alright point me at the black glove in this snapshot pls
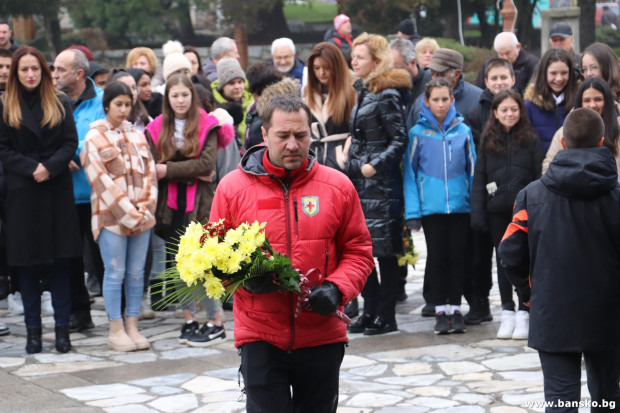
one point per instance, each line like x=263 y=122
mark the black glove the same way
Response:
x=414 y=224
x=261 y=285
x=325 y=298
x=479 y=222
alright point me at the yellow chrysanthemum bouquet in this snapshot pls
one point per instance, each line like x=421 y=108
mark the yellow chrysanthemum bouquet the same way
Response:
x=215 y=259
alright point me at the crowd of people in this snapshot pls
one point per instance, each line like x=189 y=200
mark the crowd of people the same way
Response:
x=102 y=168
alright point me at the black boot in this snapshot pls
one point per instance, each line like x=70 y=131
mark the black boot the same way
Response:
x=80 y=321
x=360 y=324
x=33 y=340
x=63 y=342
x=479 y=311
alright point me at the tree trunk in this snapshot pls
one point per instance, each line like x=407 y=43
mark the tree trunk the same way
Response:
x=487 y=34
x=586 y=23
x=241 y=37
x=524 y=29
x=271 y=24
x=185 y=22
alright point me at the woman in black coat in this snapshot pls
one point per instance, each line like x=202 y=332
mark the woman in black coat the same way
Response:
x=378 y=141
x=37 y=140
x=510 y=156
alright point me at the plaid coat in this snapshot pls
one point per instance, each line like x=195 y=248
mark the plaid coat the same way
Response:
x=121 y=171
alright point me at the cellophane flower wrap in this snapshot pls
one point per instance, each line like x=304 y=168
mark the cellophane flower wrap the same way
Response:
x=215 y=259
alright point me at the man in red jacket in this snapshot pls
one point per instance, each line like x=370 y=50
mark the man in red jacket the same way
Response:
x=314 y=216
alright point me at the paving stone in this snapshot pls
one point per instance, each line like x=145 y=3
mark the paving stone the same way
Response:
x=473 y=376
x=419 y=380
x=434 y=402
x=490 y=387
x=186 y=352
x=516 y=362
x=133 y=408
x=11 y=361
x=369 y=371
x=135 y=357
x=205 y=384
x=471 y=398
x=507 y=409
x=407 y=369
x=373 y=400
x=169 y=380
x=105 y=391
x=175 y=404
x=461 y=409
x=165 y=390
x=461 y=367
x=442 y=352
x=122 y=400
x=350 y=361
x=430 y=391
x=56 y=368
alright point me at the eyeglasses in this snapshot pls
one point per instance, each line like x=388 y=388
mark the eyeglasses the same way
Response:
x=593 y=68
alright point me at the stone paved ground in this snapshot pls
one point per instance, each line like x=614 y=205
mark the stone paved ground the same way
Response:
x=408 y=371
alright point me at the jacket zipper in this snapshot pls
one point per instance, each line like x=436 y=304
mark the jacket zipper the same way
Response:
x=326 y=263
x=296 y=218
x=445 y=172
x=291 y=299
x=509 y=149
x=422 y=188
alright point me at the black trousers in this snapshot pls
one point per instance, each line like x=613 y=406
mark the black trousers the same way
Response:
x=446 y=242
x=55 y=275
x=80 y=300
x=562 y=379
x=380 y=297
x=303 y=380
x=498 y=222
x=479 y=262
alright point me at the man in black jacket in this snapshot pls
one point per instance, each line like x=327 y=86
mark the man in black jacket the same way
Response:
x=565 y=233
x=508 y=47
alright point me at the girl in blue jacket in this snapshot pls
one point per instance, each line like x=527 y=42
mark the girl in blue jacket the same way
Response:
x=438 y=173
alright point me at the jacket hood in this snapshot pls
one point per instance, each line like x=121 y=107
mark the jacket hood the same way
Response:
x=452 y=117
x=486 y=97
x=392 y=78
x=104 y=125
x=331 y=33
x=582 y=173
x=252 y=160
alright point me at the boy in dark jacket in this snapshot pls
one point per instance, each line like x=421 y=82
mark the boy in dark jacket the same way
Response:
x=565 y=234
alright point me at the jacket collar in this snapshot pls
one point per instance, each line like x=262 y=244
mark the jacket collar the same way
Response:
x=88 y=93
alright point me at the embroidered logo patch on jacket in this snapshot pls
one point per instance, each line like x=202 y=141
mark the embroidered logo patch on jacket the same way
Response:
x=310 y=205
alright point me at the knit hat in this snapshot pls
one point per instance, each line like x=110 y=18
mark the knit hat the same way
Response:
x=174 y=62
x=444 y=59
x=407 y=27
x=340 y=20
x=228 y=69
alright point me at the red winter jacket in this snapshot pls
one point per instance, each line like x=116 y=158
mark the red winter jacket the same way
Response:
x=316 y=220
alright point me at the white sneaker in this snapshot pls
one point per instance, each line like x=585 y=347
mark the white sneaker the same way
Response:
x=507 y=327
x=146 y=312
x=46 y=304
x=522 y=326
x=16 y=307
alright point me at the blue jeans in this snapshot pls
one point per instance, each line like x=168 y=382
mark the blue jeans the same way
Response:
x=123 y=259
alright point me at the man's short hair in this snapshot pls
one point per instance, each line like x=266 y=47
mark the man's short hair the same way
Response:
x=221 y=46
x=6 y=53
x=505 y=38
x=3 y=21
x=583 y=128
x=405 y=48
x=498 y=62
x=79 y=61
x=282 y=41
x=285 y=103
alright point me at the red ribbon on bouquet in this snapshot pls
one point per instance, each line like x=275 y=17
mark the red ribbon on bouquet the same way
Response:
x=311 y=278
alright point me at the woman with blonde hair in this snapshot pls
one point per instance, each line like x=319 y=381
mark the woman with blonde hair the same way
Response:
x=144 y=58
x=37 y=141
x=331 y=97
x=379 y=139
x=424 y=50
